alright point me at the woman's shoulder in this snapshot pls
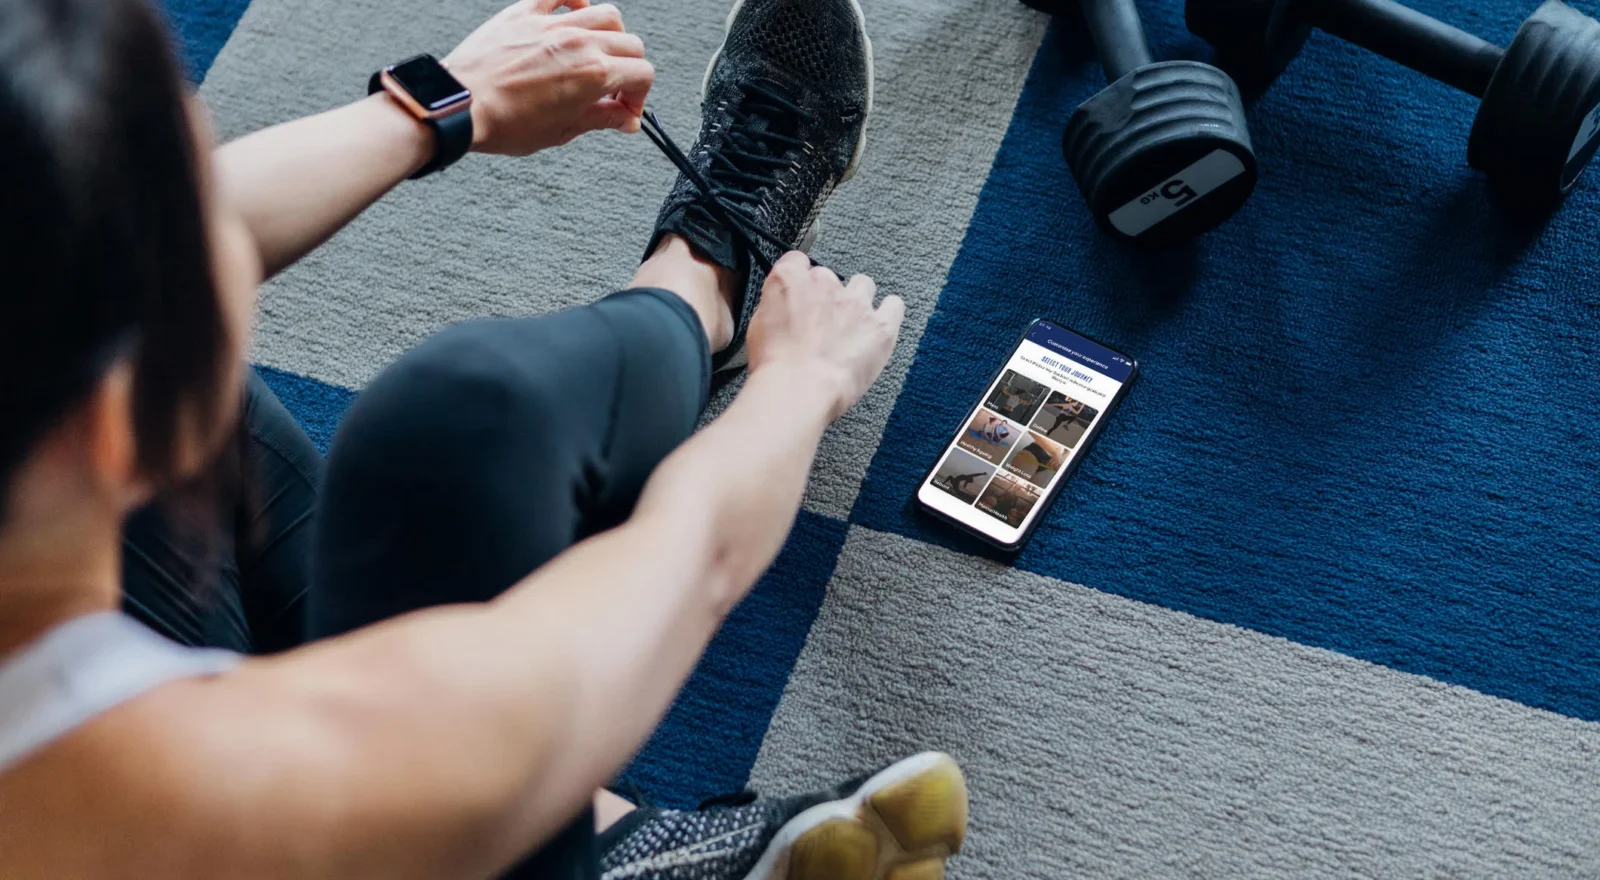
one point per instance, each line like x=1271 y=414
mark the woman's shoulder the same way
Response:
x=96 y=718
x=82 y=668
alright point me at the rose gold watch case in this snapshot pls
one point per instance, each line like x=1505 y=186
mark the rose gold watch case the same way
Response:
x=398 y=92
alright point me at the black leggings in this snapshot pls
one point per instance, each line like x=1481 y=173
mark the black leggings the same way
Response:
x=244 y=584
x=467 y=464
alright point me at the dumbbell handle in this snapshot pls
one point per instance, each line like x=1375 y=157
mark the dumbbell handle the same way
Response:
x=1401 y=34
x=1118 y=36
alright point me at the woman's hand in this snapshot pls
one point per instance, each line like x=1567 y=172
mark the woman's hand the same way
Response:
x=540 y=79
x=808 y=318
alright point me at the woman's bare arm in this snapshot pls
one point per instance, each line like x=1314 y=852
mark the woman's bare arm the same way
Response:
x=447 y=742
x=538 y=79
x=298 y=183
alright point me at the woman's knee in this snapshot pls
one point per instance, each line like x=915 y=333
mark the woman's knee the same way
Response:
x=458 y=393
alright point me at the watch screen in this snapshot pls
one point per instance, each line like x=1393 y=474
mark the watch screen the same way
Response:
x=428 y=82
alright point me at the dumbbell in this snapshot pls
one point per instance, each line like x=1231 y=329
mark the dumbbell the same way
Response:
x=1539 y=121
x=1162 y=154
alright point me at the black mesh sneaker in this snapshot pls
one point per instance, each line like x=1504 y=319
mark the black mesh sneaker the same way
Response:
x=783 y=121
x=900 y=823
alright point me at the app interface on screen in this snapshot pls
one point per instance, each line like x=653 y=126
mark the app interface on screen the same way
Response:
x=1025 y=431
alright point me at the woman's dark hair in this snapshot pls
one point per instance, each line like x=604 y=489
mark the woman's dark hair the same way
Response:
x=102 y=239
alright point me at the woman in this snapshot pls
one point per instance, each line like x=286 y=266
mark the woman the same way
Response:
x=450 y=741
x=995 y=430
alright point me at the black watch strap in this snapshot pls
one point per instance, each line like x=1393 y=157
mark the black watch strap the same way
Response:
x=452 y=134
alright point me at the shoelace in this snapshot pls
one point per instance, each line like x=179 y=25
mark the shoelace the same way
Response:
x=740 y=159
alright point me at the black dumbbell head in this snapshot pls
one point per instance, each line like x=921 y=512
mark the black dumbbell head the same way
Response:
x=1053 y=7
x=1539 y=122
x=1163 y=153
x=1255 y=39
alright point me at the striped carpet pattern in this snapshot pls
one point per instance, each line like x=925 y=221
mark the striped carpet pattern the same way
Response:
x=1322 y=602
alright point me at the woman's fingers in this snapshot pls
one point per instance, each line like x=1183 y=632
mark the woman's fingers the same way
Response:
x=603 y=17
x=863 y=287
x=621 y=45
x=629 y=81
x=891 y=313
x=545 y=7
x=609 y=113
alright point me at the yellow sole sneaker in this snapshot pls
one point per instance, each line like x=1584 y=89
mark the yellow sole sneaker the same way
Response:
x=900 y=824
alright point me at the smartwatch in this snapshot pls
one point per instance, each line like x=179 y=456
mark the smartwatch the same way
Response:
x=427 y=90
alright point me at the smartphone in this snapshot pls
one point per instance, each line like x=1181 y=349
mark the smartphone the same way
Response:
x=1035 y=421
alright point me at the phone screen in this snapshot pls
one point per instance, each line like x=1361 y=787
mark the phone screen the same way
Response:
x=1026 y=434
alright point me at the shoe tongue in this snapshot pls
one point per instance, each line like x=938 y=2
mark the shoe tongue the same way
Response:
x=761 y=121
x=764 y=111
x=747 y=136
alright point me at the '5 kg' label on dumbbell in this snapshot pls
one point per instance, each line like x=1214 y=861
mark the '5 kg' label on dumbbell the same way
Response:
x=1176 y=193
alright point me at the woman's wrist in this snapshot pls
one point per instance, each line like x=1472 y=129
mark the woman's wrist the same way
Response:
x=480 y=106
x=409 y=141
x=811 y=388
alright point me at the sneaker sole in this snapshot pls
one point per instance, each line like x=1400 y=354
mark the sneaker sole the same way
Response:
x=900 y=825
x=872 y=78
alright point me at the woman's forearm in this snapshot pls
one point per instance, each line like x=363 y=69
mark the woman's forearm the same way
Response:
x=642 y=601
x=506 y=717
x=300 y=182
x=750 y=467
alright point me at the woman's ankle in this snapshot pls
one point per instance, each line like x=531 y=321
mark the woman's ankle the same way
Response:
x=708 y=288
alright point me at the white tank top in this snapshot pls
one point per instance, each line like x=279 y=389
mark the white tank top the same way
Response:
x=83 y=668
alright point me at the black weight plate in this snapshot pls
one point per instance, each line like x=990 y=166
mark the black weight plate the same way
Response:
x=1052 y=7
x=1539 y=123
x=1162 y=154
x=1255 y=39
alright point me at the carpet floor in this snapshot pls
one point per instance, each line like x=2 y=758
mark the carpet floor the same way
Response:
x=1323 y=601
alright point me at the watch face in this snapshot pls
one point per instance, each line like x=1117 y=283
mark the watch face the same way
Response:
x=428 y=82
